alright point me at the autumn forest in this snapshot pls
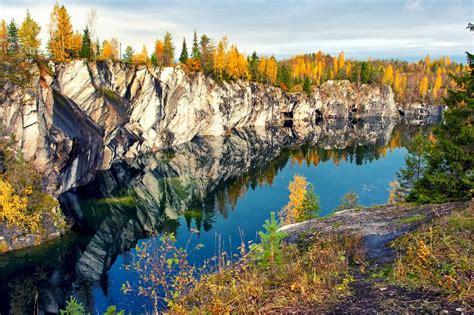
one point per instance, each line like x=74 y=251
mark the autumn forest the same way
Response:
x=425 y=81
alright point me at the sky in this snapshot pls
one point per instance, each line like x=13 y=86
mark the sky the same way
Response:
x=386 y=29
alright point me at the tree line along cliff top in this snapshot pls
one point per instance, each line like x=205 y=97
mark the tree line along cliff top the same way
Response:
x=425 y=81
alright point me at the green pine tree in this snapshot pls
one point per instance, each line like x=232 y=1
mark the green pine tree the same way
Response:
x=128 y=55
x=73 y=307
x=307 y=86
x=112 y=310
x=415 y=164
x=449 y=173
x=284 y=76
x=98 y=51
x=13 y=41
x=350 y=200
x=195 y=54
x=184 y=52
x=311 y=207
x=86 y=48
x=365 y=74
x=271 y=242
x=154 y=60
x=253 y=65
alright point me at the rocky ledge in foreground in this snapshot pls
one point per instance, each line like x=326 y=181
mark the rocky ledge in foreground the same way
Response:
x=378 y=226
x=15 y=238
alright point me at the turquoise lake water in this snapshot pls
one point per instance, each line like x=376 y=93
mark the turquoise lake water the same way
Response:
x=217 y=186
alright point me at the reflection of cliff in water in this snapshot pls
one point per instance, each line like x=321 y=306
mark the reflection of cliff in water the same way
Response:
x=198 y=180
x=147 y=195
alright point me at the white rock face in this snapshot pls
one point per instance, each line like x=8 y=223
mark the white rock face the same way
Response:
x=85 y=115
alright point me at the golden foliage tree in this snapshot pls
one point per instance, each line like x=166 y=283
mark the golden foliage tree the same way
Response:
x=219 y=57
x=319 y=71
x=397 y=84
x=395 y=193
x=427 y=64
x=272 y=70
x=236 y=66
x=423 y=88
x=335 y=66
x=75 y=45
x=106 y=50
x=193 y=65
x=3 y=37
x=341 y=60
x=141 y=58
x=437 y=86
x=14 y=208
x=297 y=190
x=268 y=69
x=110 y=50
x=330 y=74
x=348 y=69
x=388 y=75
x=60 y=31
x=159 y=52
x=262 y=68
x=168 y=50
x=299 y=67
x=229 y=63
x=28 y=34
x=303 y=203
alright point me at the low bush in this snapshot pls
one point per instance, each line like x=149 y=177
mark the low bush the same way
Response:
x=439 y=257
x=23 y=204
x=302 y=279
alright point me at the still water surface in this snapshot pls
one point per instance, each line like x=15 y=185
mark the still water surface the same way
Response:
x=215 y=185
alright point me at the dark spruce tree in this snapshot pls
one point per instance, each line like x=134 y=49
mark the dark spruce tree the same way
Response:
x=153 y=59
x=128 y=55
x=253 y=65
x=415 y=162
x=448 y=173
x=365 y=74
x=184 y=52
x=12 y=37
x=307 y=86
x=98 y=50
x=284 y=77
x=195 y=53
x=86 y=47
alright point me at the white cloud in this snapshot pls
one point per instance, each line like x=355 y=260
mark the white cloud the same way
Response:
x=414 y=5
x=361 y=28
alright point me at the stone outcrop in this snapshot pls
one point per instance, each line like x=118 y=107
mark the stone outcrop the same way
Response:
x=78 y=117
x=15 y=238
x=376 y=225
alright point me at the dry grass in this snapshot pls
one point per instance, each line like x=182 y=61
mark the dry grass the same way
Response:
x=439 y=257
x=305 y=278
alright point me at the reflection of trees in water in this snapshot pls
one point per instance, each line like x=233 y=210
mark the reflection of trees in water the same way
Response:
x=201 y=180
x=225 y=196
x=25 y=291
x=358 y=153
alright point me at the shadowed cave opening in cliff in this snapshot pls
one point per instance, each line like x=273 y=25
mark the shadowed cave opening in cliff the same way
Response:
x=287 y=119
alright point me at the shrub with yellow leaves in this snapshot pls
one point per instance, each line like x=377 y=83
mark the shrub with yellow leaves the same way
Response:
x=23 y=204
